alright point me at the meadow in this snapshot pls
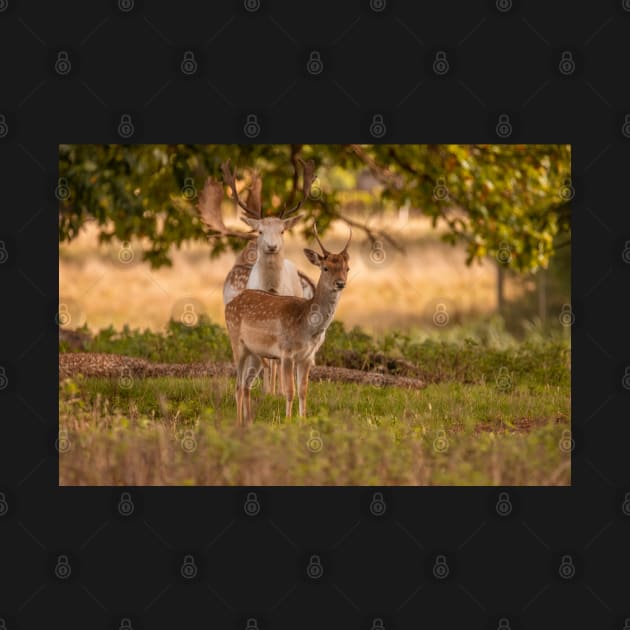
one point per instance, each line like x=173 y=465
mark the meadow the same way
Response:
x=493 y=407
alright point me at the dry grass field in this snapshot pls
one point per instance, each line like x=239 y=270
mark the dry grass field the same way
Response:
x=400 y=292
x=495 y=410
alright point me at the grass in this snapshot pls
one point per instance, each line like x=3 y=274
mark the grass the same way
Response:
x=494 y=412
x=496 y=417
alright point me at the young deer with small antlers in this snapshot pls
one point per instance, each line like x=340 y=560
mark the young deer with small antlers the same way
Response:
x=291 y=329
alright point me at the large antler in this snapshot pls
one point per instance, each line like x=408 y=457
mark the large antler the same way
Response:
x=308 y=179
x=229 y=178
x=209 y=209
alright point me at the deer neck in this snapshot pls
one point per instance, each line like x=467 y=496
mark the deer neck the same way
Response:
x=271 y=266
x=324 y=302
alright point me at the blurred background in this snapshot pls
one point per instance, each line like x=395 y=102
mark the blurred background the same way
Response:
x=446 y=237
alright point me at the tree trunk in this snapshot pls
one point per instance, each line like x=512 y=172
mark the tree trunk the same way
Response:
x=542 y=295
x=500 y=289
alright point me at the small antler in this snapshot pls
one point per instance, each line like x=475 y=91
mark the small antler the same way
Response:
x=324 y=250
x=228 y=177
x=345 y=249
x=308 y=179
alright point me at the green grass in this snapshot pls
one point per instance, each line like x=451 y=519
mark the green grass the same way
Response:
x=478 y=353
x=369 y=435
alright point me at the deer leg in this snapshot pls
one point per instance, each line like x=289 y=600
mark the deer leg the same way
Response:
x=252 y=366
x=273 y=369
x=287 y=380
x=240 y=363
x=303 y=369
x=267 y=383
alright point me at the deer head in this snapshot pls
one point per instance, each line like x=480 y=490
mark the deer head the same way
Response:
x=269 y=229
x=334 y=267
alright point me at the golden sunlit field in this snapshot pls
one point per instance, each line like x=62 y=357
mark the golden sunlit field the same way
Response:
x=401 y=292
x=495 y=411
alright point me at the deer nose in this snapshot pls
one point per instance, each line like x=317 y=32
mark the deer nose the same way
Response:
x=340 y=284
x=272 y=249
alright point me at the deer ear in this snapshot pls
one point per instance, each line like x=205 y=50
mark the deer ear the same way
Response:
x=313 y=257
x=289 y=223
x=253 y=223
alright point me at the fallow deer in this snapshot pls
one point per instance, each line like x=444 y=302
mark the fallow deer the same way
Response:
x=270 y=270
x=292 y=329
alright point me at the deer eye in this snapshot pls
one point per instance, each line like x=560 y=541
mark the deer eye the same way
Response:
x=325 y=268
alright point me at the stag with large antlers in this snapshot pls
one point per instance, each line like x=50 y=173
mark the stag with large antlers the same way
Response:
x=292 y=329
x=261 y=265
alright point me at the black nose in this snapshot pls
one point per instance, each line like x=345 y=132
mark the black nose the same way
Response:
x=272 y=249
x=340 y=284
